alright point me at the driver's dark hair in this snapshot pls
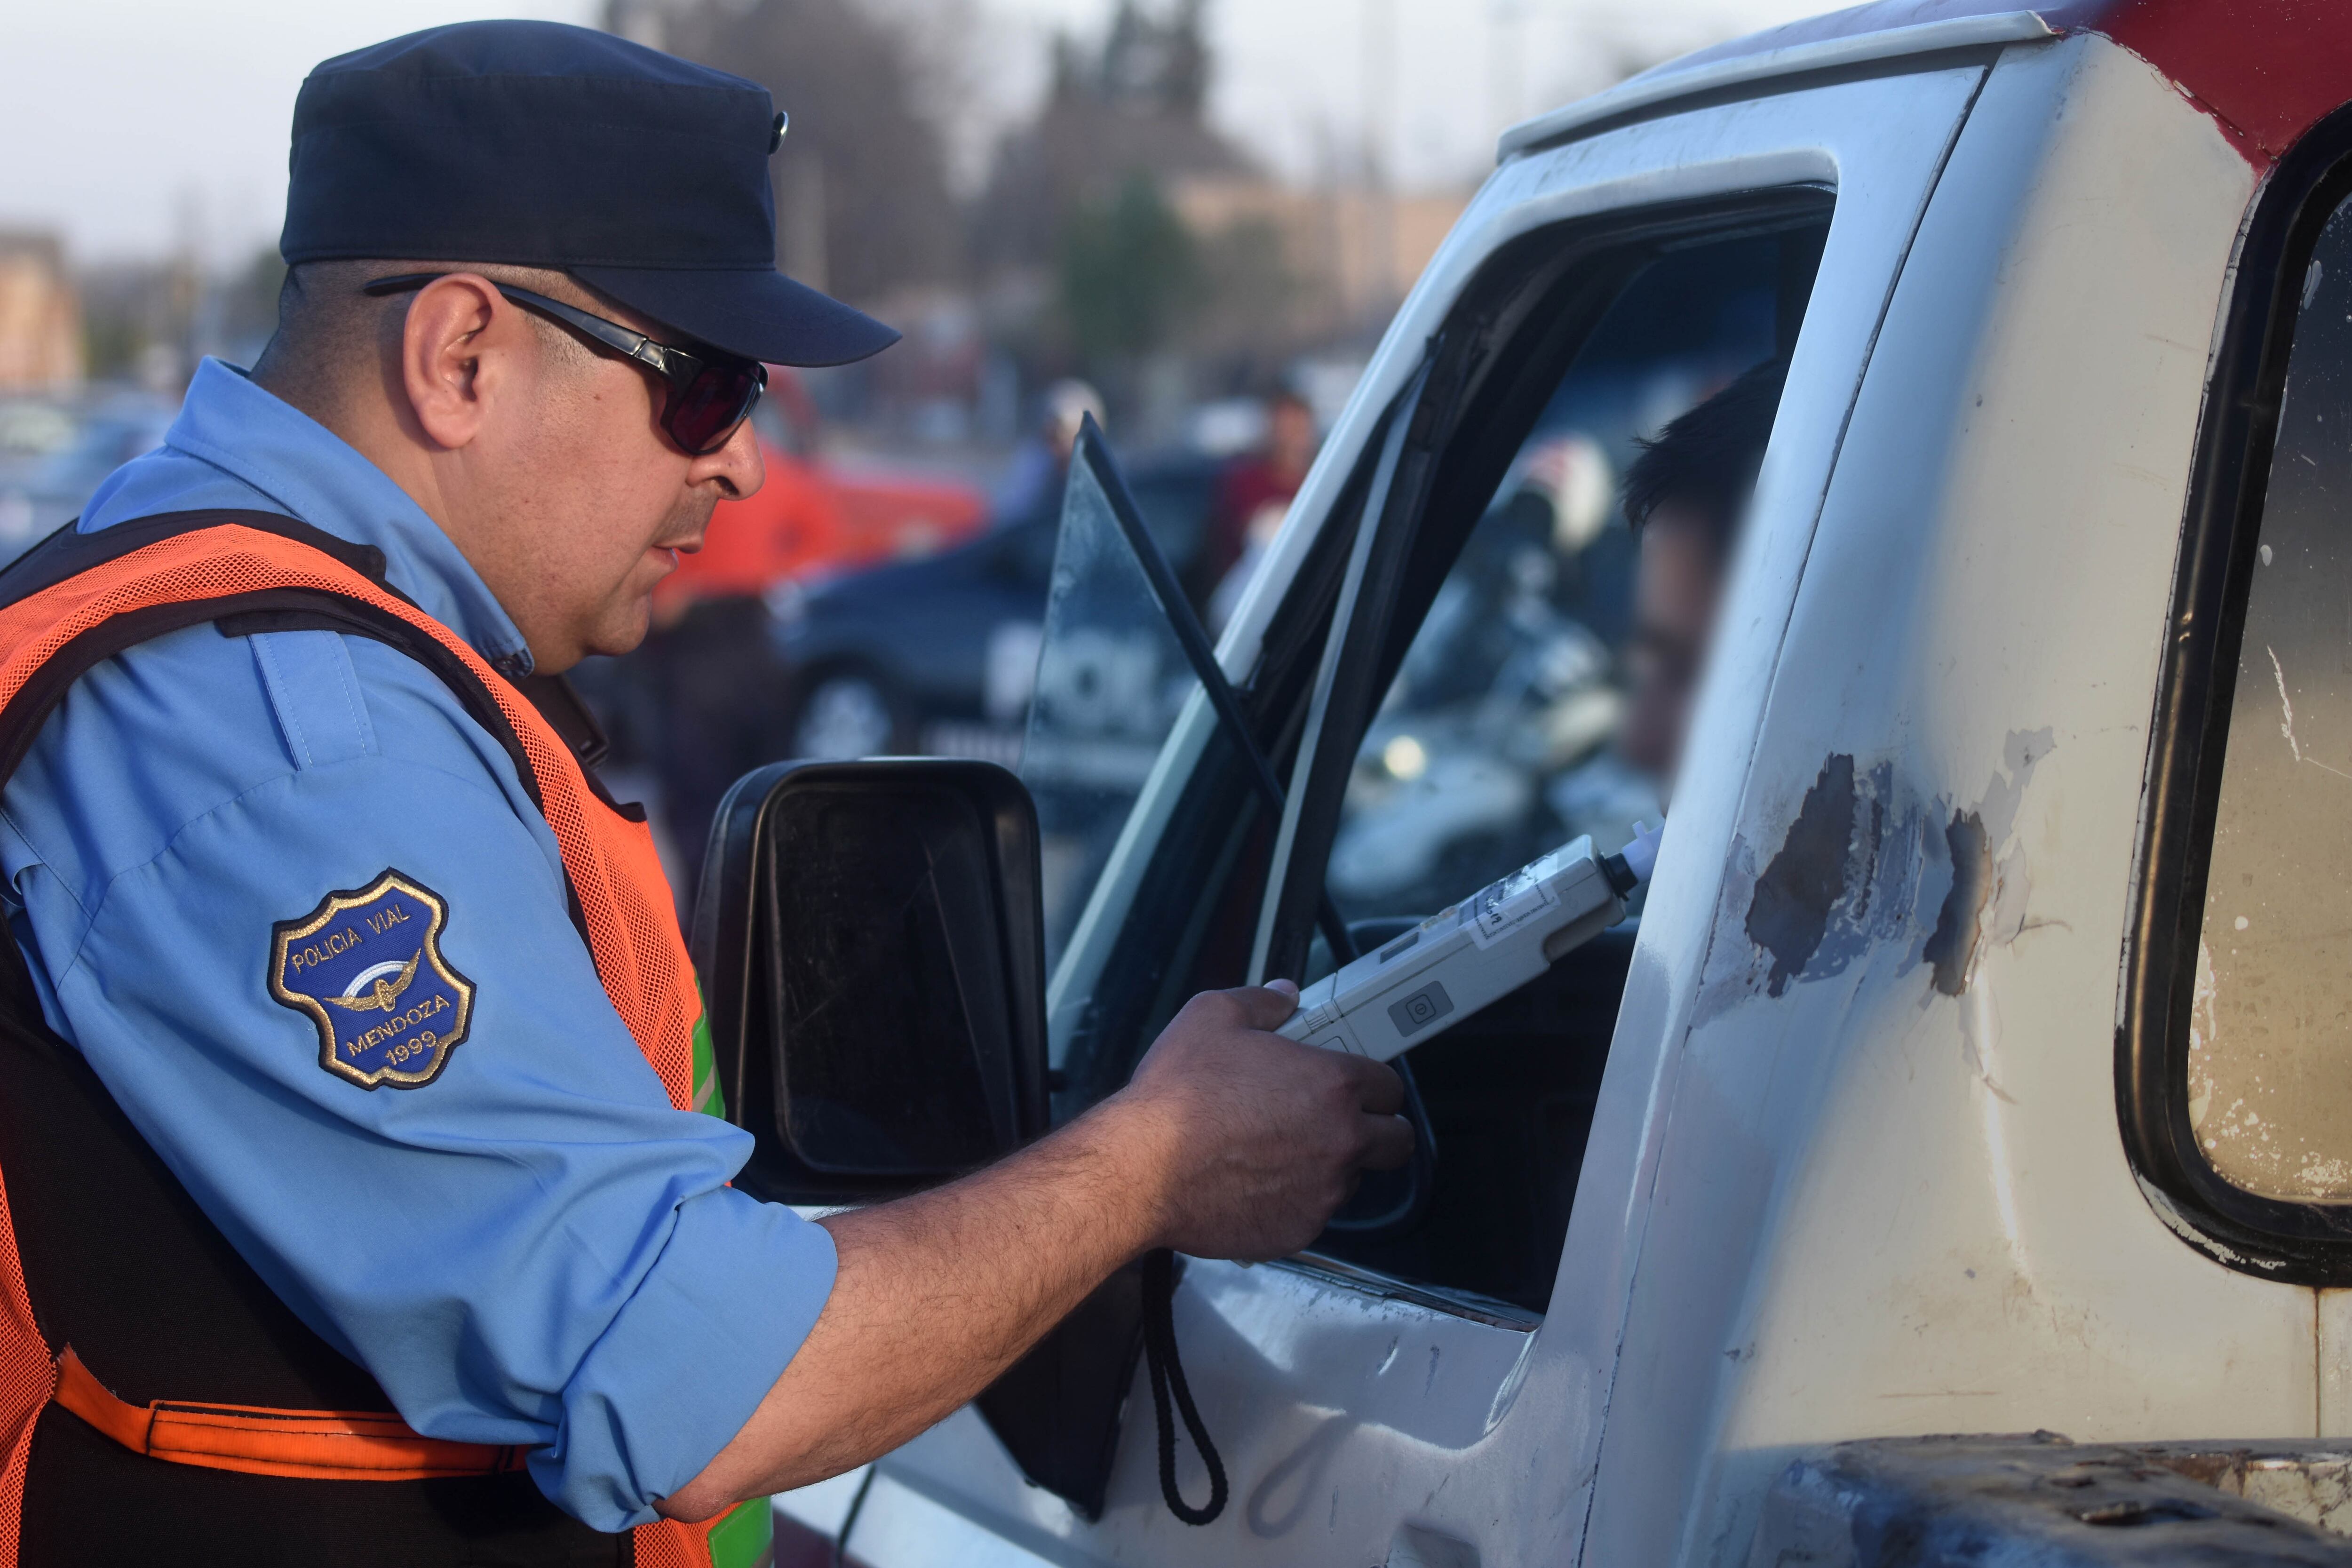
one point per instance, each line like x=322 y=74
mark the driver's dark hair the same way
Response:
x=1706 y=460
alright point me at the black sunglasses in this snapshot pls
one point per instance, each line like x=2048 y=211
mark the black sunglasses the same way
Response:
x=712 y=392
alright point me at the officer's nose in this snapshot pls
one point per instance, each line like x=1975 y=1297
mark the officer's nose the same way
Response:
x=738 y=466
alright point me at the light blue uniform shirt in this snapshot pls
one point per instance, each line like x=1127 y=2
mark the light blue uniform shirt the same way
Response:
x=533 y=1248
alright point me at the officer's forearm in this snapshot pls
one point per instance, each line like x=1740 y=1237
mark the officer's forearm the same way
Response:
x=1230 y=1141
x=938 y=1293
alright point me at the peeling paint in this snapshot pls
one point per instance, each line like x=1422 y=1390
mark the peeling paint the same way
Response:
x=2175 y=1222
x=1986 y=904
x=1790 y=911
x=1951 y=949
x=1855 y=875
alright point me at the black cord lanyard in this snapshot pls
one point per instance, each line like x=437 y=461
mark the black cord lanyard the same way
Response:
x=1167 y=1376
x=1160 y=1356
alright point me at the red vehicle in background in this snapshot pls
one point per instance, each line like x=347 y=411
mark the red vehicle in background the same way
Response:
x=706 y=698
x=815 y=518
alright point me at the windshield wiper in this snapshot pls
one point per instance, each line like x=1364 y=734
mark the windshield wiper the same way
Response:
x=1094 y=451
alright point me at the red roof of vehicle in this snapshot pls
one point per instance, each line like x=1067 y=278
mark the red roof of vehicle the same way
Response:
x=2266 y=70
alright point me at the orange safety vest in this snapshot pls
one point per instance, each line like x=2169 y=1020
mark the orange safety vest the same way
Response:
x=73 y=601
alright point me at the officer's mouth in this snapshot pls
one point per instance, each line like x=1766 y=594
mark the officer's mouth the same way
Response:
x=666 y=556
x=658 y=562
x=683 y=541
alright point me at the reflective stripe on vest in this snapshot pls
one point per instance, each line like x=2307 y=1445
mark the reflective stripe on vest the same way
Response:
x=624 y=904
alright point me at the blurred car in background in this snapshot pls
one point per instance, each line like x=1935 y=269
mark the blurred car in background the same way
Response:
x=939 y=656
x=817 y=514
x=54 y=451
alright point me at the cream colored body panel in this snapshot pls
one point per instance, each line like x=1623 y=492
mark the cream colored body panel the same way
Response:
x=1896 y=1210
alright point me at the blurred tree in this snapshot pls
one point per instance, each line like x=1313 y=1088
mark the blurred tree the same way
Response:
x=132 y=311
x=1129 y=273
x=1252 y=296
x=1136 y=107
x=248 y=298
x=112 y=330
x=862 y=198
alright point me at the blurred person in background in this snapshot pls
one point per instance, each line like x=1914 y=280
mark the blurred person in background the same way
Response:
x=1686 y=496
x=1254 y=495
x=1033 y=481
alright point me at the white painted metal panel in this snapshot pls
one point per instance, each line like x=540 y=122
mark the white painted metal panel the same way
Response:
x=2334 y=1329
x=1882 y=1208
x=1662 y=85
x=1322 y=1397
x=824 y=1507
x=902 y=1527
x=1343 y=1416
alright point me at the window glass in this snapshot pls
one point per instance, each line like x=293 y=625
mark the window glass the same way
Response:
x=2270 y=1058
x=1112 y=679
x=1500 y=736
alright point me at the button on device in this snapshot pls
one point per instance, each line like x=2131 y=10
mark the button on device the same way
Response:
x=1424 y=1007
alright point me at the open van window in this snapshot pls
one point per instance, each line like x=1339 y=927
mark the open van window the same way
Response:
x=1513 y=722
x=1501 y=645
x=1502 y=733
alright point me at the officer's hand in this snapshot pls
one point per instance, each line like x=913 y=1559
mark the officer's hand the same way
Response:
x=1260 y=1138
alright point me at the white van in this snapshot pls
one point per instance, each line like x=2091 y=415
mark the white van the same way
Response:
x=1981 y=1061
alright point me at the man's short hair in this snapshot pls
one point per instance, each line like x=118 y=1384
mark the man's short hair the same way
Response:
x=327 y=327
x=1704 y=462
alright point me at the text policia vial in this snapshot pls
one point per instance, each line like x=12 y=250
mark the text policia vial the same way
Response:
x=1474 y=952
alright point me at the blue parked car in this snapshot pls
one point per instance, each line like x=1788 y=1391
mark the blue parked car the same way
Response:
x=939 y=655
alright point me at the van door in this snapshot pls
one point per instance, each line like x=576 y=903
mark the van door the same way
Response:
x=1434 y=658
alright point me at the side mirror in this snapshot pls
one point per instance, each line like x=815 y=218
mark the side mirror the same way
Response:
x=871 y=947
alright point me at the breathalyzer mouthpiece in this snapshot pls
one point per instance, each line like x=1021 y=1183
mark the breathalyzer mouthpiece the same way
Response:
x=1629 y=867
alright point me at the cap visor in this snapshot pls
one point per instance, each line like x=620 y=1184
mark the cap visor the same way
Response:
x=762 y=315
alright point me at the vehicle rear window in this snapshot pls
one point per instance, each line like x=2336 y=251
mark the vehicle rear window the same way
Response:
x=2270 y=1056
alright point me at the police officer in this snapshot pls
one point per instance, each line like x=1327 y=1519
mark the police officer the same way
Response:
x=357 y=1205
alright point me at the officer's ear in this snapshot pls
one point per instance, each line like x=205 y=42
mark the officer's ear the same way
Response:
x=462 y=343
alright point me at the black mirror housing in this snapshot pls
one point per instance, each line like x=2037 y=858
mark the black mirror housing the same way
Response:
x=870 y=940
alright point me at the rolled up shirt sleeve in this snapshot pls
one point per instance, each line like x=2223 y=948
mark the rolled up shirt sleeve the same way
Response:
x=533 y=1248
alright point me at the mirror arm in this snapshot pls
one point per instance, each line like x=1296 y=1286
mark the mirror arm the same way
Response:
x=1193 y=638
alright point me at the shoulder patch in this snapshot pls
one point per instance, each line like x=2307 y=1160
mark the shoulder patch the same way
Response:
x=366 y=968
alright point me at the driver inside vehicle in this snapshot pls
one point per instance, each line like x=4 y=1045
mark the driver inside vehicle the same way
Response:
x=1685 y=497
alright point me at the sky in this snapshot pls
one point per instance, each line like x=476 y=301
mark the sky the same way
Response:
x=138 y=127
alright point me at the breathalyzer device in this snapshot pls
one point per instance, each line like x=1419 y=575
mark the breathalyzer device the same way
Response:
x=1476 y=952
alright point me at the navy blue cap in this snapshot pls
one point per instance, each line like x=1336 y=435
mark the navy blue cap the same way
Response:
x=545 y=145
